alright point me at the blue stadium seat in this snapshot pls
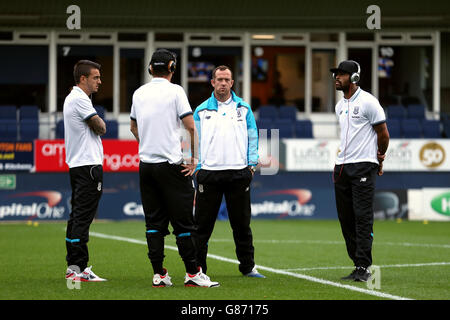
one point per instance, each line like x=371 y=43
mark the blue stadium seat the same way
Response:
x=303 y=129
x=285 y=127
x=394 y=129
x=60 y=129
x=112 y=129
x=288 y=112
x=416 y=111
x=268 y=112
x=8 y=113
x=29 y=129
x=29 y=112
x=100 y=111
x=396 y=112
x=411 y=128
x=446 y=125
x=264 y=124
x=8 y=130
x=431 y=129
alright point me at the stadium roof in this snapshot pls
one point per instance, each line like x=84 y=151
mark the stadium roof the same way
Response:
x=241 y=15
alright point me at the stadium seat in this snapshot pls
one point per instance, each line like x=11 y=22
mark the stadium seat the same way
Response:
x=396 y=112
x=446 y=125
x=100 y=111
x=112 y=129
x=303 y=129
x=29 y=129
x=394 y=129
x=288 y=112
x=268 y=112
x=60 y=129
x=8 y=113
x=8 y=130
x=431 y=129
x=416 y=111
x=285 y=127
x=29 y=112
x=264 y=124
x=411 y=128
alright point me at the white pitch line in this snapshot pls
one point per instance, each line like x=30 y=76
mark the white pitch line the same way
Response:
x=381 y=266
x=277 y=271
x=403 y=244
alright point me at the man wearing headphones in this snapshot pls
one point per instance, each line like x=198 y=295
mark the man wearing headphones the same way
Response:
x=167 y=191
x=364 y=141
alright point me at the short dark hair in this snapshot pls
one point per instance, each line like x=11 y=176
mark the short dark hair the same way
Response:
x=83 y=68
x=221 y=68
x=160 y=62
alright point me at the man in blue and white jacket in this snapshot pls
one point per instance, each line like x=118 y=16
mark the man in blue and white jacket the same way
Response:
x=228 y=149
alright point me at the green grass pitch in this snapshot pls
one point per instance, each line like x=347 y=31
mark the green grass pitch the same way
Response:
x=302 y=260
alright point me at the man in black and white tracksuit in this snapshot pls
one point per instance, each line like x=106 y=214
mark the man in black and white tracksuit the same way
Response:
x=228 y=157
x=84 y=156
x=364 y=141
x=167 y=191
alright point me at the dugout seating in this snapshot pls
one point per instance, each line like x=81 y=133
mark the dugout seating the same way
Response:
x=431 y=129
x=112 y=129
x=303 y=129
x=415 y=111
x=268 y=112
x=394 y=129
x=411 y=128
x=29 y=123
x=8 y=123
x=396 y=112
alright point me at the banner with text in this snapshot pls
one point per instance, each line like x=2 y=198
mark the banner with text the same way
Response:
x=402 y=155
x=119 y=156
x=16 y=156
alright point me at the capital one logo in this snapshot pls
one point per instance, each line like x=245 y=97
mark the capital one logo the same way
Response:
x=432 y=155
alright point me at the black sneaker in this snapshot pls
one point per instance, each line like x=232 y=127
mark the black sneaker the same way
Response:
x=362 y=274
x=351 y=276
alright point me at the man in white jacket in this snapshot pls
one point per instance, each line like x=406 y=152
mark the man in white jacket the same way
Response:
x=228 y=139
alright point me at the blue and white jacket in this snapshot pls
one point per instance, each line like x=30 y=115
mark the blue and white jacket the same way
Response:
x=228 y=136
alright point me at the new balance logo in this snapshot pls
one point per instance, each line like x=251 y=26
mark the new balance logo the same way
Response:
x=363 y=180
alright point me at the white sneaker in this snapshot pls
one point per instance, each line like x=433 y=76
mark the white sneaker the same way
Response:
x=161 y=281
x=71 y=274
x=199 y=280
x=88 y=276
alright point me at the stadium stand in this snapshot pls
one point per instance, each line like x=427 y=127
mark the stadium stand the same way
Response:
x=446 y=124
x=288 y=112
x=60 y=129
x=8 y=123
x=28 y=123
x=112 y=129
x=285 y=127
x=416 y=111
x=396 y=111
x=100 y=111
x=394 y=129
x=268 y=112
x=411 y=128
x=303 y=129
x=431 y=129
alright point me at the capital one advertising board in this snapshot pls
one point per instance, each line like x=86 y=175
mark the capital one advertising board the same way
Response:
x=119 y=156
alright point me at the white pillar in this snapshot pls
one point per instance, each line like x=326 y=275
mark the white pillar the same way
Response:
x=52 y=85
x=437 y=75
x=116 y=81
x=247 y=70
x=308 y=80
x=149 y=49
